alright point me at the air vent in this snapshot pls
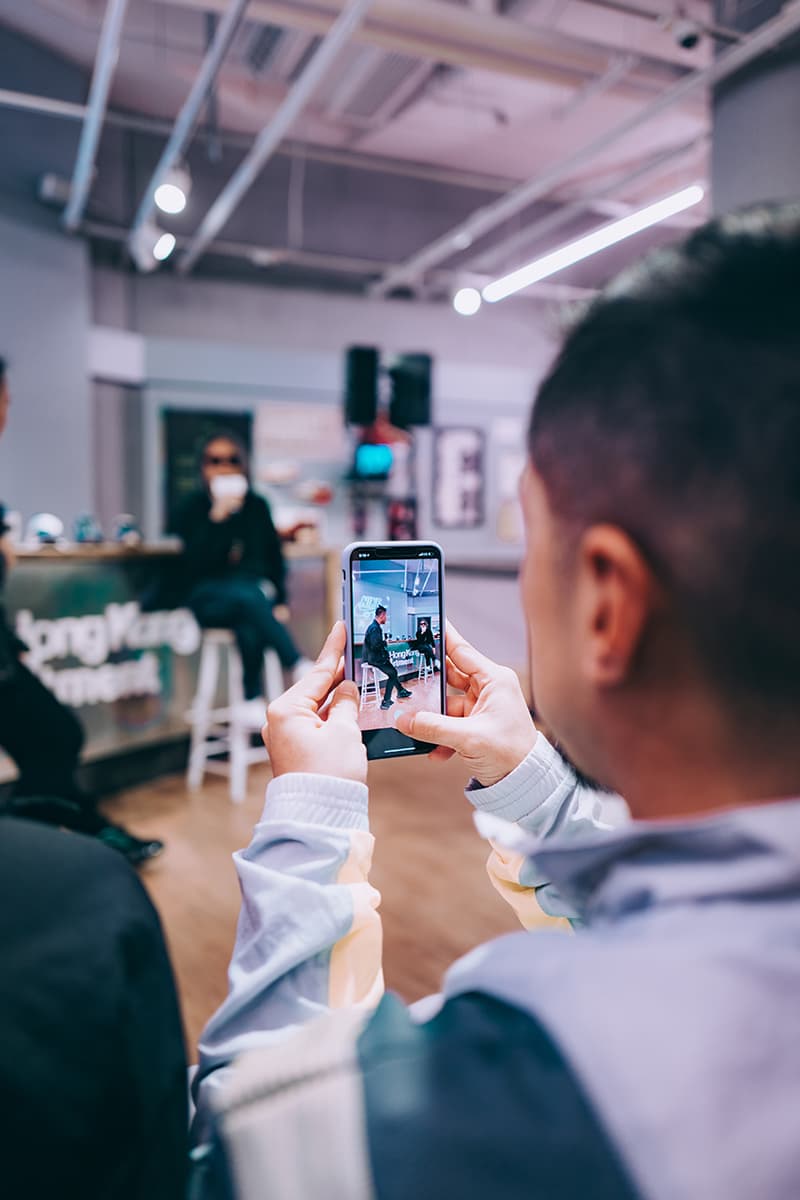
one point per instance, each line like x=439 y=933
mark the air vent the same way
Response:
x=262 y=47
x=390 y=80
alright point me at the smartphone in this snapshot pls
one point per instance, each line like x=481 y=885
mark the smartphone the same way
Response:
x=393 y=600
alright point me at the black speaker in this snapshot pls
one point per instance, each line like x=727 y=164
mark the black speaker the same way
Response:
x=361 y=385
x=411 y=390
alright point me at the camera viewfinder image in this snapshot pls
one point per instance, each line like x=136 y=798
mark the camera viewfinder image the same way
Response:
x=397 y=638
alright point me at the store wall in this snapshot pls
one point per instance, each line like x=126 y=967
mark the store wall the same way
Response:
x=217 y=345
x=45 y=456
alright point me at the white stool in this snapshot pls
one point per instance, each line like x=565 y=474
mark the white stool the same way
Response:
x=226 y=730
x=370 y=685
x=425 y=668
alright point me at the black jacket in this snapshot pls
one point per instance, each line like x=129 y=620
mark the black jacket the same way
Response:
x=423 y=639
x=375 y=652
x=10 y=645
x=245 y=546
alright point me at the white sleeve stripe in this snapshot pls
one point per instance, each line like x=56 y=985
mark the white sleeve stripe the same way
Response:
x=292 y=1118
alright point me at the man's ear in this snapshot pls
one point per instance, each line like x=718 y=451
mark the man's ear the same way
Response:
x=617 y=594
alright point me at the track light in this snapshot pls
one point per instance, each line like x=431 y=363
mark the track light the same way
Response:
x=592 y=243
x=150 y=246
x=164 y=247
x=171 y=195
x=467 y=301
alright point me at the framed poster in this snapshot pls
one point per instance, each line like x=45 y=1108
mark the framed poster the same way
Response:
x=459 y=463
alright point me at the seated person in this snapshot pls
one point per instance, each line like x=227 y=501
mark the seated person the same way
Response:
x=425 y=642
x=92 y=1063
x=231 y=547
x=376 y=654
x=655 y=1054
x=44 y=737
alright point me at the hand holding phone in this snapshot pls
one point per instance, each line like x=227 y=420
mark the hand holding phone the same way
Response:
x=393 y=596
x=312 y=728
x=488 y=723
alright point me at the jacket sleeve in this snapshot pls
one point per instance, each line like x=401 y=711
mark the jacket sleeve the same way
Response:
x=373 y=644
x=542 y=796
x=309 y=938
x=274 y=562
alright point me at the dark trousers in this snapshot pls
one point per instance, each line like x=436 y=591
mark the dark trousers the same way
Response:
x=44 y=738
x=429 y=652
x=241 y=606
x=393 y=680
x=92 y=1064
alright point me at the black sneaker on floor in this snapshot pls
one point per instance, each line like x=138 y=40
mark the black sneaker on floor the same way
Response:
x=387 y=703
x=403 y=694
x=136 y=850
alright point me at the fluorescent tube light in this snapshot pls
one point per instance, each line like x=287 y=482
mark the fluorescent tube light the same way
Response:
x=592 y=243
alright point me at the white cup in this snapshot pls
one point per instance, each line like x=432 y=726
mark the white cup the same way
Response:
x=229 y=487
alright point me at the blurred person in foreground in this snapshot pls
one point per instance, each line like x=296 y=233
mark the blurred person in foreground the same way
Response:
x=231 y=550
x=92 y=1062
x=42 y=736
x=655 y=1054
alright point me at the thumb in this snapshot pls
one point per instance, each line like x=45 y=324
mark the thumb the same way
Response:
x=432 y=727
x=344 y=704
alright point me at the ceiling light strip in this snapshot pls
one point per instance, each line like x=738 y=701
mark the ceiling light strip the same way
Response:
x=592 y=243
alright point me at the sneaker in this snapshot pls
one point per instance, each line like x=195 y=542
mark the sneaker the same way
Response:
x=387 y=703
x=136 y=850
x=301 y=668
x=403 y=694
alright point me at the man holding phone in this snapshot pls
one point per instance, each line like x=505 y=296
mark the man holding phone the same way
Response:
x=656 y=1054
x=376 y=655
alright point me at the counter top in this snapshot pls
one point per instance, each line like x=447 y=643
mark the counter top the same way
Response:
x=96 y=551
x=114 y=552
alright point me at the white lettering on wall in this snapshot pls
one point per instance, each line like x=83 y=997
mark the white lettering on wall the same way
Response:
x=91 y=639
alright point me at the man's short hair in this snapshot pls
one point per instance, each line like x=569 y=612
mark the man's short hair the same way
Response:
x=673 y=412
x=380 y=609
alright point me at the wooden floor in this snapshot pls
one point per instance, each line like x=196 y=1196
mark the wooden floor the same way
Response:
x=429 y=866
x=425 y=696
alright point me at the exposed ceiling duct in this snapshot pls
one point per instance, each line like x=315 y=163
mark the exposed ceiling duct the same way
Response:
x=272 y=134
x=769 y=35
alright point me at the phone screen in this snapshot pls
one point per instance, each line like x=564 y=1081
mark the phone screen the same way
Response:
x=396 y=621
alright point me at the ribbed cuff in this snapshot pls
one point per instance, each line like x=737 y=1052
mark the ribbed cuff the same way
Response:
x=317 y=800
x=527 y=787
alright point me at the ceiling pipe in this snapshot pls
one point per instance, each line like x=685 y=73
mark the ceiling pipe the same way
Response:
x=47 y=107
x=273 y=133
x=104 y=67
x=44 y=106
x=461 y=36
x=278 y=256
x=764 y=39
x=496 y=257
x=189 y=113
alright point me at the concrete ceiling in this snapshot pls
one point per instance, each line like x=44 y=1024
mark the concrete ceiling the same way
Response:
x=433 y=110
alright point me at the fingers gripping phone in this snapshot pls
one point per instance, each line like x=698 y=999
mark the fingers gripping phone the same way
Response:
x=393 y=599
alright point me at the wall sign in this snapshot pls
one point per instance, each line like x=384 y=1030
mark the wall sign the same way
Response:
x=459 y=456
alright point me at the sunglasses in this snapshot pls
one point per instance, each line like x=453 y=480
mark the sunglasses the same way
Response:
x=222 y=460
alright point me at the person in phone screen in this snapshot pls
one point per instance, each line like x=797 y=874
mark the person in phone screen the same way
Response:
x=425 y=642
x=375 y=654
